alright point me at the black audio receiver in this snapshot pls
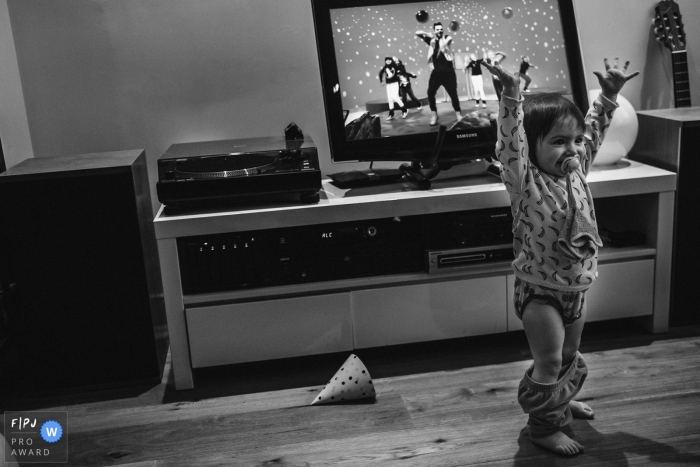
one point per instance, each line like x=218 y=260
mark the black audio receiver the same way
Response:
x=410 y=244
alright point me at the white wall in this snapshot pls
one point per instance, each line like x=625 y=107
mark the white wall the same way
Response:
x=103 y=75
x=14 y=127
x=610 y=28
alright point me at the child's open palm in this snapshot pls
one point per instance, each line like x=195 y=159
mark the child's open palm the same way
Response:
x=614 y=79
x=508 y=79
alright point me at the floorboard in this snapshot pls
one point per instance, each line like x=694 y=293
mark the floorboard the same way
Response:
x=438 y=404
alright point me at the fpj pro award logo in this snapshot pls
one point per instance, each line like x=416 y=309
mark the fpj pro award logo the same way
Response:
x=36 y=437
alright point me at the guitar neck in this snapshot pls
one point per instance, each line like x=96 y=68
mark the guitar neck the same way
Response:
x=681 y=82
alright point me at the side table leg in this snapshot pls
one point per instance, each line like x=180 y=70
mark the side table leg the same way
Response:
x=662 y=232
x=175 y=311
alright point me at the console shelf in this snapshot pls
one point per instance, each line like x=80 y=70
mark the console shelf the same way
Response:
x=606 y=255
x=342 y=315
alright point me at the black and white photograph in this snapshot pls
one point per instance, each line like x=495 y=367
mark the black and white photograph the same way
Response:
x=430 y=233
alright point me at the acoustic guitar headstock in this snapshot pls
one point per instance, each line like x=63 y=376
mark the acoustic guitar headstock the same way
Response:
x=668 y=25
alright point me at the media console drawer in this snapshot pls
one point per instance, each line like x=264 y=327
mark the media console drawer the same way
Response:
x=623 y=290
x=432 y=311
x=269 y=329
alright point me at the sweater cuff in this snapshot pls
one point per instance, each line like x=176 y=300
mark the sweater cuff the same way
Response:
x=607 y=103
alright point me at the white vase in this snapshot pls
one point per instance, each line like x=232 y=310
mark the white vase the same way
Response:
x=622 y=132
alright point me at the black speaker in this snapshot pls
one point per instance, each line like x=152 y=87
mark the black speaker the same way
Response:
x=670 y=139
x=82 y=289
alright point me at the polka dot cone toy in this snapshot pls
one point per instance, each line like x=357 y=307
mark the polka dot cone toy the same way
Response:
x=351 y=382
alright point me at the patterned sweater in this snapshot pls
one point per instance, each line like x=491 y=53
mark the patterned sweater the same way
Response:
x=539 y=200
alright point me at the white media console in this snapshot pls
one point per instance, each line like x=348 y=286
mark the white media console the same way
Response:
x=331 y=316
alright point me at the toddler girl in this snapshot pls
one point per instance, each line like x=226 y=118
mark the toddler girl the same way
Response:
x=546 y=147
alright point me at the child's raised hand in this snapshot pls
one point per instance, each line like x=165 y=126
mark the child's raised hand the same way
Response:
x=614 y=79
x=509 y=80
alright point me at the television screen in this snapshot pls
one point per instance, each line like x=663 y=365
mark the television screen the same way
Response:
x=394 y=71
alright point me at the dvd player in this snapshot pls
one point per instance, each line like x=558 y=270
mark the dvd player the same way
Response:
x=450 y=260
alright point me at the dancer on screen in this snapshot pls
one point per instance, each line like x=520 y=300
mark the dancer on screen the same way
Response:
x=390 y=74
x=442 y=71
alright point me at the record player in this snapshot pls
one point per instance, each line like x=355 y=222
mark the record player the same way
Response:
x=249 y=170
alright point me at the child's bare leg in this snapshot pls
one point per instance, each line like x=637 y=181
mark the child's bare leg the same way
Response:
x=546 y=335
x=572 y=340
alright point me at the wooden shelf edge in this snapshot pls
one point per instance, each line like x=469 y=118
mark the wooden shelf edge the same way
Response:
x=610 y=254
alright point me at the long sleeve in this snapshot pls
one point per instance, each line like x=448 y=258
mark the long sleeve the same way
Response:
x=540 y=202
x=511 y=148
x=597 y=121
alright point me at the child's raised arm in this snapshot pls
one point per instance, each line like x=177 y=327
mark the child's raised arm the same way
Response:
x=511 y=134
x=614 y=79
x=601 y=112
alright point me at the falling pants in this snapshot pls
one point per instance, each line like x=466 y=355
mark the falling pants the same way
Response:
x=548 y=404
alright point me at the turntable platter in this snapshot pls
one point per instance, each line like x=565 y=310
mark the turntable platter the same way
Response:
x=224 y=165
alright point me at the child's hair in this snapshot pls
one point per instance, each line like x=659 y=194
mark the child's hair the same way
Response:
x=541 y=113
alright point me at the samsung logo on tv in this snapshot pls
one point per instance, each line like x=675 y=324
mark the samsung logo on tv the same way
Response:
x=467 y=135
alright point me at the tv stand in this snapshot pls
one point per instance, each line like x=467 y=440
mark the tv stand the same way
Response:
x=221 y=328
x=420 y=173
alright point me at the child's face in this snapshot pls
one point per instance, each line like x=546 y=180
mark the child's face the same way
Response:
x=564 y=140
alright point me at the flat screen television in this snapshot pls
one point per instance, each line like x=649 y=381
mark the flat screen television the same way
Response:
x=356 y=38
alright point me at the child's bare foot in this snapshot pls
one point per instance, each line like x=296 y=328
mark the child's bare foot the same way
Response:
x=581 y=410
x=559 y=443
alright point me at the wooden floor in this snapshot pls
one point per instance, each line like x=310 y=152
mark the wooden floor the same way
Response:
x=438 y=404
